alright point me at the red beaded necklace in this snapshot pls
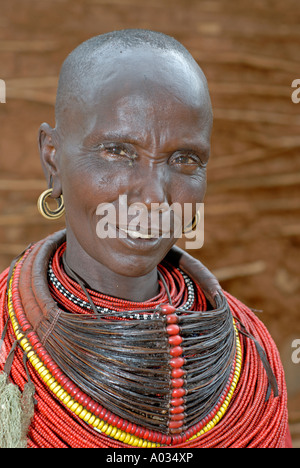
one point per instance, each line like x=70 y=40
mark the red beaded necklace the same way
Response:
x=56 y=424
x=174 y=281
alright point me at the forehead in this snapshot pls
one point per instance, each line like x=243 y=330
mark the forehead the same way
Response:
x=142 y=69
x=126 y=86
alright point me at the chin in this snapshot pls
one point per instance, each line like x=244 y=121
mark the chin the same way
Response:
x=132 y=265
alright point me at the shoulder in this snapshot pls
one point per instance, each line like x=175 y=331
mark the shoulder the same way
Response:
x=254 y=325
x=247 y=317
x=258 y=342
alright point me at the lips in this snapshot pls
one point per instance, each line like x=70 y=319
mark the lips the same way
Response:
x=141 y=234
x=137 y=240
x=135 y=221
x=137 y=234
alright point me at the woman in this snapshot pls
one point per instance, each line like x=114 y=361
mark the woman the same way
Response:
x=127 y=340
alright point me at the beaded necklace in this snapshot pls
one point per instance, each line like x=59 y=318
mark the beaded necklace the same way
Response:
x=68 y=293
x=175 y=325
x=161 y=350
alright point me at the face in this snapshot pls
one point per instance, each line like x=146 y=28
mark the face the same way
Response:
x=145 y=134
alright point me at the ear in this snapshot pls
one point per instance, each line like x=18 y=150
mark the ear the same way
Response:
x=49 y=160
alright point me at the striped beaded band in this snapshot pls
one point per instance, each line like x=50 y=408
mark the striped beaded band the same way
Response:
x=105 y=310
x=92 y=413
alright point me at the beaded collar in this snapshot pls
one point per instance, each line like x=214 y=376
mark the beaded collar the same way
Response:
x=83 y=304
x=162 y=381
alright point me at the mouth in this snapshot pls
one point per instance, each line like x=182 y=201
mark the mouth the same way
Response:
x=138 y=234
x=138 y=240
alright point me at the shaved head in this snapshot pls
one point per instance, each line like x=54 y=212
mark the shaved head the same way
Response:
x=134 y=118
x=89 y=64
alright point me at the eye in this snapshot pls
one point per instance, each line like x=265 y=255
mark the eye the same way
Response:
x=117 y=150
x=186 y=159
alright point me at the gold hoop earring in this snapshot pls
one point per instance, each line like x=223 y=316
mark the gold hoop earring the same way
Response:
x=192 y=225
x=44 y=209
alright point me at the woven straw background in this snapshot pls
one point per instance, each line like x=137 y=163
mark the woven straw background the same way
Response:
x=250 y=54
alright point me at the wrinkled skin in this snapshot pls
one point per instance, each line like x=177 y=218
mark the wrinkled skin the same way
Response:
x=142 y=129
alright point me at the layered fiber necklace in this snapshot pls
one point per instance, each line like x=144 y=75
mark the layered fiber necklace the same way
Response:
x=115 y=373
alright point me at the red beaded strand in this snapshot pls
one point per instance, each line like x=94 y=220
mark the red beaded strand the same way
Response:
x=178 y=391
x=174 y=281
x=176 y=420
x=77 y=394
x=248 y=422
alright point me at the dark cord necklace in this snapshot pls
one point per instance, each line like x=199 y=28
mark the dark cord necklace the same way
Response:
x=125 y=364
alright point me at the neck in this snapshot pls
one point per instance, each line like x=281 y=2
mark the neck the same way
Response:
x=100 y=278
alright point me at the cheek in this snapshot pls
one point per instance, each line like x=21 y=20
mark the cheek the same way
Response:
x=85 y=186
x=187 y=194
x=189 y=189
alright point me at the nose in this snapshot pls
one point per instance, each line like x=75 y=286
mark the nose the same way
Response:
x=150 y=188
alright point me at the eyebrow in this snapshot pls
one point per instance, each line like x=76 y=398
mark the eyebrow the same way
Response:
x=111 y=137
x=116 y=137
